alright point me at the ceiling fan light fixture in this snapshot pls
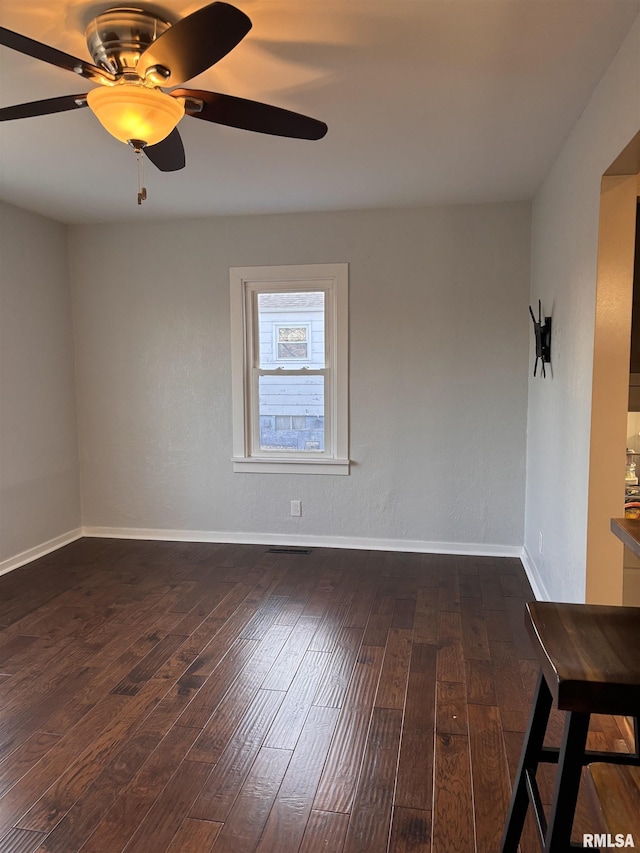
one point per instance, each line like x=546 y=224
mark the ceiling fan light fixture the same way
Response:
x=132 y=112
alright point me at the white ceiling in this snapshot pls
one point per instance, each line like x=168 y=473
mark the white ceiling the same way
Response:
x=427 y=102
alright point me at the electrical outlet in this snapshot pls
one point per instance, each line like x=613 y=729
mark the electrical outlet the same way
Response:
x=540 y=542
x=296 y=508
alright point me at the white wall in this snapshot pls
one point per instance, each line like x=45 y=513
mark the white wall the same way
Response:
x=39 y=478
x=564 y=268
x=439 y=351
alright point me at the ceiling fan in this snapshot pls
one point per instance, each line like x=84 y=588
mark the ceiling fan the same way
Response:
x=139 y=55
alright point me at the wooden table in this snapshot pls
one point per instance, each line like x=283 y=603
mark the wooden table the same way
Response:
x=628 y=531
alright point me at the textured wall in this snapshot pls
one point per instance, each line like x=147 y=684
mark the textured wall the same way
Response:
x=564 y=272
x=39 y=479
x=439 y=350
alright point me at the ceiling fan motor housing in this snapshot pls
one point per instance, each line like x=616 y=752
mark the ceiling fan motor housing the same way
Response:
x=117 y=37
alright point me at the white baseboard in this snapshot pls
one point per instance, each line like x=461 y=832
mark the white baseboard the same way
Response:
x=357 y=543
x=537 y=584
x=235 y=538
x=39 y=550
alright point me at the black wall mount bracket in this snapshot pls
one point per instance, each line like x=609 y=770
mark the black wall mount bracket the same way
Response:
x=542 y=332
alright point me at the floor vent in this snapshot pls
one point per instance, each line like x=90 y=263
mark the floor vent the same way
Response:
x=288 y=550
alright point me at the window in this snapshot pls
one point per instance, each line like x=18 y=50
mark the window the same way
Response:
x=291 y=342
x=289 y=368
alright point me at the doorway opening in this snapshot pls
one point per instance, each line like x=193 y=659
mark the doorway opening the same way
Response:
x=606 y=580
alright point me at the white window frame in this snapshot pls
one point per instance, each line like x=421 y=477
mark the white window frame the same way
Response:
x=246 y=283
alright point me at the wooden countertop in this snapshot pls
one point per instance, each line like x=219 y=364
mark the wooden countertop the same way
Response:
x=628 y=531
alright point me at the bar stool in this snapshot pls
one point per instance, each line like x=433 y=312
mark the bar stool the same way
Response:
x=590 y=664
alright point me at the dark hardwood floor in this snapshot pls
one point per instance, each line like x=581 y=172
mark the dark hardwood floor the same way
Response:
x=191 y=698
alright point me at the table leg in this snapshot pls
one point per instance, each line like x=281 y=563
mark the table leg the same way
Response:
x=529 y=759
x=567 y=784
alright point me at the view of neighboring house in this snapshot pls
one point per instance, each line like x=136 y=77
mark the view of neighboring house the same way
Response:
x=292 y=406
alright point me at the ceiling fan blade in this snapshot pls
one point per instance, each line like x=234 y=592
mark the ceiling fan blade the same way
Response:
x=196 y=42
x=167 y=155
x=37 y=50
x=252 y=115
x=43 y=108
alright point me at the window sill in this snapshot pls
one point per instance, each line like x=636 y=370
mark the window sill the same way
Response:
x=257 y=465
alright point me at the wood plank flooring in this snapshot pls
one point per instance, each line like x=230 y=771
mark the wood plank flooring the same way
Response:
x=191 y=698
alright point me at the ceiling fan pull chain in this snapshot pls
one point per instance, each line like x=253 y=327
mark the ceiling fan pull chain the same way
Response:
x=142 y=190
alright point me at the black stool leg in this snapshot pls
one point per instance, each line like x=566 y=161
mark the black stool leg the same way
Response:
x=529 y=758
x=567 y=784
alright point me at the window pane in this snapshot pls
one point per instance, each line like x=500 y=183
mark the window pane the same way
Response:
x=295 y=406
x=292 y=333
x=291 y=330
x=291 y=350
